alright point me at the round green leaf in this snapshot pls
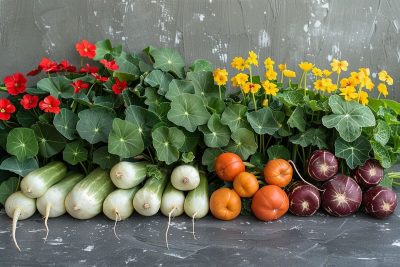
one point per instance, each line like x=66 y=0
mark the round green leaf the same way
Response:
x=216 y=105
x=209 y=156
x=166 y=142
x=215 y=133
x=178 y=87
x=291 y=98
x=201 y=65
x=296 y=120
x=168 y=59
x=263 y=121
x=22 y=168
x=7 y=188
x=235 y=117
x=49 y=139
x=94 y=125
x=75 y=152
x=191 y=141
x=203 y=83
x=25 y=118
x=355 y=153
x=104 y=159
x=278 y=152
x=382 y=132
x=57 y=86
x=152 y=98
x=65 y=122
x=348 y=118
x=21 y=142
x=128 y=67
x=125 y=139
x=103 y=48
x=159 y=79
x=244 y=143
x=143 y=119
x=188 y=111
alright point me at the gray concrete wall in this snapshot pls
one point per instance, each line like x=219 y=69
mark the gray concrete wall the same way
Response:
x=365 y=32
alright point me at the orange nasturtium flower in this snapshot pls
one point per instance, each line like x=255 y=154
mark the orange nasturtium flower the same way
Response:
x=269 y=63
x=306 y=66
x=383 y=89
x=385 y=77
x=270 y=88
x=339 y=66
x=220 y=76
x=270 y=74
x=349 y=93
x=251 y=87
x=289 y=73
x=317 y=72
x=239 y=79
x=239 y=63
x=252 y=59
x=350 y=81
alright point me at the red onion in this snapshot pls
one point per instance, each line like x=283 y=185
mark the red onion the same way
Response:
x=322 y=165
x=369 y=174
x=342 y=196
x=380 y=202
x=304 y=199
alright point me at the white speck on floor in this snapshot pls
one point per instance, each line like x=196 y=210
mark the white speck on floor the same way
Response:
x=89 y=248
x=396 y=243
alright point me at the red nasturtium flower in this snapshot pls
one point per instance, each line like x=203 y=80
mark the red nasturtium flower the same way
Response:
x=111 y=65
x=79 y=85
x=66 y=66
x=99 y=78
x=15 y=83
x=86 y=49
x=50 y=104
x=119 y=86
x=89 y=69
x=29 y=101
x=6 y=109
x=47 y=65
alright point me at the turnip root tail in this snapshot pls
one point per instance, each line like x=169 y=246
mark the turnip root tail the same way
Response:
x=117 y=217
x=193 y=232
x=169 y=223
x=301 y=177
x=46 y=218
x=16 y=215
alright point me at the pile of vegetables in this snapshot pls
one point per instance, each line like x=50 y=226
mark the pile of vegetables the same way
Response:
x=125 y=132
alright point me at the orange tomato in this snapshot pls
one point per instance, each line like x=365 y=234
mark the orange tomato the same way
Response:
x=228 y=165
x=270 y=203
x=278 y=172
x=245 y=184
x=225 y=204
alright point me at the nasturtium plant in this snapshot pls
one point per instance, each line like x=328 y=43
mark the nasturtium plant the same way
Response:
x=235 y=117
x=75 y=152
x=125 y=139
x=7 y=188
x=50 y=141
x=167 y=142
x=159 y=79
x=94 y=125
x=278 y=152
x=215 y=133
x=208 y=158
x=143 y=119
x=348 y=118
x=22 y=168
x=21 y=142
x=57 y=86
x=201 y=65
x=188 y=111
x=243 y=143
x=296 y=120
x=263 y=121
x=382 y=154
x=355 y=153
x=382 y=132
x=178 y=87
x=65 y=122
x=168 y=60
x=104 y=159
x=203 y=83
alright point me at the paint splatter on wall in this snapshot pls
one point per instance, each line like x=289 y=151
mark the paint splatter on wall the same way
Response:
x=365 y=32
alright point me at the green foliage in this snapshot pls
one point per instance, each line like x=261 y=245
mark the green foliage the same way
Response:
x=166 y=142
x=21 y=142
x=21 y=168
x=125 y=139
x=75 y=153
x=94 y=125
x=355 y=153
x=7 y=188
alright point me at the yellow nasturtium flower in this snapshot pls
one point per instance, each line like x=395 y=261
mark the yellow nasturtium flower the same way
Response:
x=252 y=59
x=220 y=76
x=317 y=72
x=306 y=66
x=265 y=103
x=365 y=70
x=289 y=73
x=383 y=89
x=339 y=66
x=239 y=79
x=328 y=85
x=363 y=98
x=251 y=87
x=270 y=88
x=319 y=85
x=270 y=74
x=239 y=63
x=355 y=76
x=269 y=63
x=282 y=67
x=349 y=93
x=369 y=84
x=385 y=77
x=327 y=73
x=350 y=81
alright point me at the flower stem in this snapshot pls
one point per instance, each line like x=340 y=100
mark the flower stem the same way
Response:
x=251 y=74
x=3 y=88
x=379 y=96
x=254 y=101
x=337 y=81
x=219 y=89
x=301 y=79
